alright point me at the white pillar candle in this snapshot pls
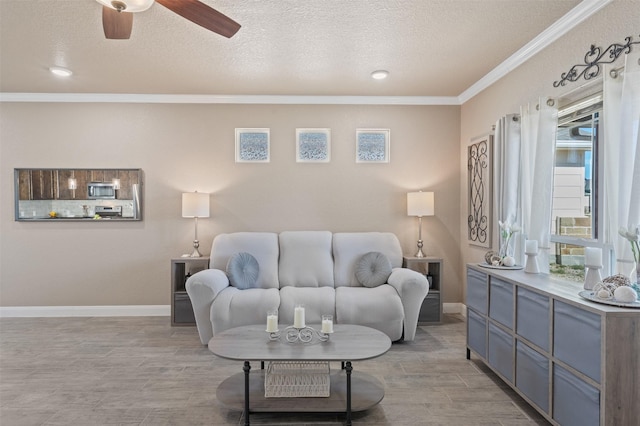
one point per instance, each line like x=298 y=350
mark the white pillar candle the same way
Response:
x=531 y=247
x=272 y=322
x=593 y=256
x=327 y=324
x=298 y=317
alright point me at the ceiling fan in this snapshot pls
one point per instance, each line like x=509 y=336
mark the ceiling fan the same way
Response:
x=117 y=16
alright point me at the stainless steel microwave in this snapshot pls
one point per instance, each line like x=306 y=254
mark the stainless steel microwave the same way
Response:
x=101 y=191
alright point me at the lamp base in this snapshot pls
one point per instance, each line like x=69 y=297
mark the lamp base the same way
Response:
x=420 y=253
x=195 y=252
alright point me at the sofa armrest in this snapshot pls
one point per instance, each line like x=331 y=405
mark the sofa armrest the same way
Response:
x=412 y=287
x=203 y=287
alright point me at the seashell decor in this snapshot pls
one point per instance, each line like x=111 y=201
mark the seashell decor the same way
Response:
x=606 y=288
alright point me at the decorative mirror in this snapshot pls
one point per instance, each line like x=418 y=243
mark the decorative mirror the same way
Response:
x=78 y=194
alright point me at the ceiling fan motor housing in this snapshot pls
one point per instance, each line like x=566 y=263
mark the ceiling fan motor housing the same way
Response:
x=127 y=5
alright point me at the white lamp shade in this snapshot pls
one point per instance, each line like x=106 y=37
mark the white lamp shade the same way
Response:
x=420 y=204
x=195 y=204
x=131 y=5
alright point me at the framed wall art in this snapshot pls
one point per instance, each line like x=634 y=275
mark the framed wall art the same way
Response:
x=372 y=145
x=313 y=145
x=479 y=171
x=252 y=146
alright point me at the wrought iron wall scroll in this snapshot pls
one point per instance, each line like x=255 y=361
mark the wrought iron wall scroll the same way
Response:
x=593 y=60
x=479 y=175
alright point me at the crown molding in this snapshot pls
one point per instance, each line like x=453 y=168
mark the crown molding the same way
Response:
x=570 y=20
x=226 y=99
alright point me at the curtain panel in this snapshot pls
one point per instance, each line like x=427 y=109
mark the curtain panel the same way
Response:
x=523 y=176
x=622 y=158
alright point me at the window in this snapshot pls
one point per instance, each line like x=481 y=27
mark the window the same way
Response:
x=575 y=205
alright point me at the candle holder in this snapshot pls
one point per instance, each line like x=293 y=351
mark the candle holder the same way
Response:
x=592 y=277
x=531 y=264
x=300 y=335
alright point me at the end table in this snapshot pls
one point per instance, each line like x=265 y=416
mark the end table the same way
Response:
x=431 y=310
x=181 y=269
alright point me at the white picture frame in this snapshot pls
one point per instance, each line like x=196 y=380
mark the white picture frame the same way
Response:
x=253 y=145
x=373 y=145
x=313 y=145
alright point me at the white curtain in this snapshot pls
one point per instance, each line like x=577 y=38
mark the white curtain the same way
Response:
x=523 y=176
x=506 y=170
x=537 y=155
x=622 y=157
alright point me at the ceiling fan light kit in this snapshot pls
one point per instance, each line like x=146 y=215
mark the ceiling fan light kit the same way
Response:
x=127 y=5
x=117 y=16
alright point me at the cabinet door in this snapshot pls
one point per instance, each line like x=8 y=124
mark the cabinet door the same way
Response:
x=532 y=320
x=501 y=301
x=577 y=338
x=575 y=402
x=532 y=375
x=477 y=333
x=501 y=351
x=24 y=184
x=477 y=291
x=43 y=185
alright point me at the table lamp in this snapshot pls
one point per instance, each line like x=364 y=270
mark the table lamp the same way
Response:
x=420 y=204
x=195 y=205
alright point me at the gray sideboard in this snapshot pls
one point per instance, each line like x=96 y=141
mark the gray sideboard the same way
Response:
x=575 y=361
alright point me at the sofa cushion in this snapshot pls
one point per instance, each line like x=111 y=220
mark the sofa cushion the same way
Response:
x=242 y=270
x=234 y=307
x=316 y=301
x=261 y=245
x=305 y=259
x=373 y=269
x=349 y=247
x=379 y=307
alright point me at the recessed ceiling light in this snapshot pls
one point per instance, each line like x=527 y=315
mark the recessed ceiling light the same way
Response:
x=380 y=74
x=59 y=71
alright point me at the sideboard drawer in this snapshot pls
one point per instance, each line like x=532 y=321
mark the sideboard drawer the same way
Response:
x=532 y=320
x=477 y=291
x=501 y=351
x=532 y=375
x=577 y=338
x=501 y=301
x=477 y=333
x=575 y=402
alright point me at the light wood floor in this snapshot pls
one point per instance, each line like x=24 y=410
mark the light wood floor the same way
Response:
x=142 y=371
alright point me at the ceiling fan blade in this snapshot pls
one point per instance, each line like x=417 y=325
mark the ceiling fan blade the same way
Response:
x=117 y=25
x=203 y=15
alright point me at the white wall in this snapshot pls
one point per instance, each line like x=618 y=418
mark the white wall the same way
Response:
x=535 y=79
x=191 y=147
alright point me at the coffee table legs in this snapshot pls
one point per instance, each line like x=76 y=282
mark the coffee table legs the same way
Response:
x=348 y=368
x=246 y=369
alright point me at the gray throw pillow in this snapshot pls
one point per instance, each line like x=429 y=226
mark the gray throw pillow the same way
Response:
x=373 y=269
x=242 y=270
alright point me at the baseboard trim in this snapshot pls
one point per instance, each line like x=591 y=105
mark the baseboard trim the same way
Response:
x=85 y=311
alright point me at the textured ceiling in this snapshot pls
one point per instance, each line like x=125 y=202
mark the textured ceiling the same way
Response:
x=285 y=47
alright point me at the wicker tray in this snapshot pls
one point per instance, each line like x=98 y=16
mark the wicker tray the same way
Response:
x=296 y=379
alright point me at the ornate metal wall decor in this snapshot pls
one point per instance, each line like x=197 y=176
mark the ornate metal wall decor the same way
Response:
x=593 y=60
x=479 y=182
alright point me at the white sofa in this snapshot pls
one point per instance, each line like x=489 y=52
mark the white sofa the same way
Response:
x=314 y=268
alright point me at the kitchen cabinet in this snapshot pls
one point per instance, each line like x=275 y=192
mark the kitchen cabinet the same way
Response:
x=574 y=361
x=431 y=267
